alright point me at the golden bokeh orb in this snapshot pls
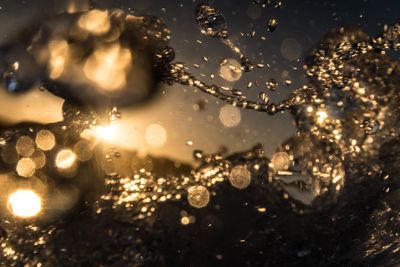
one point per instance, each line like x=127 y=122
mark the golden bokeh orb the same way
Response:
x=198 y=196
x=240 y=177
x=281 y=161
x=65 y=159
x=26 y=167
x=45 y=140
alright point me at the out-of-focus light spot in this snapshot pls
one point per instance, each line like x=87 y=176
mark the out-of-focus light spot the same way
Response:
x=9 y=154
x=45 y=140
x=106 y=133
x=262 y=210
x=189 y=143
x=59 y=52
x=65 y=159
x=230 y=116
x=254 y=11
x=15 y=65
x=281 y=161
x=107 y=67
x=95 y=21
x=230 y=70
x=39 y=158
x=26 y=167
x=156 y=135
x=25 y=203
x=291 y=49
x=198 y=196
x=64 y=197
x=83 y=151
x=25 y=146
x=240 y=177
x=75 y=6
x=321 y=116
x=185 y=220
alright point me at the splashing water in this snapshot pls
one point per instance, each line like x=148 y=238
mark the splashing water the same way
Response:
x=311 y=167
x=212 y=23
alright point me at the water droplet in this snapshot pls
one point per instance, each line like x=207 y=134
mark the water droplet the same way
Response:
x=114 y=114
x=189 y=143
x=211 y=21
x=272 y=24
x=272 y=84
x=246 y=64
x=168 y=54
x=370 y=126
x=278 y=4
x=263 y=97
x=198 y=154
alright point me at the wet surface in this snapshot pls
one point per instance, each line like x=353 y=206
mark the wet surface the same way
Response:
x=328 y=196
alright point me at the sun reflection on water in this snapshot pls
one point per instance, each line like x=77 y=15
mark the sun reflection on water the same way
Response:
x=25 y=203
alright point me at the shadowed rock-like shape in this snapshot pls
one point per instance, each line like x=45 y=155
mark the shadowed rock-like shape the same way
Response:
x=95 y=58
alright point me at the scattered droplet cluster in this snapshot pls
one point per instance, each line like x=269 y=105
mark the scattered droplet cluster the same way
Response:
x=341 y=114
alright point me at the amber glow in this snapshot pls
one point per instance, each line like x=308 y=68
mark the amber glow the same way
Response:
x=45 y=140
x=106 y=133
x=26 y=167
x=65 y=159
x=75 y=6
x=59 y=52
x=321 y=116
x=107 y=67
x=25 y=203
x=156 y=135
x=95 y=21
